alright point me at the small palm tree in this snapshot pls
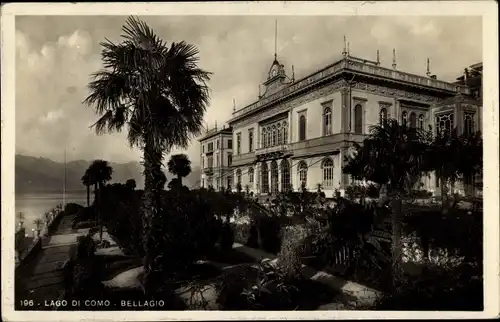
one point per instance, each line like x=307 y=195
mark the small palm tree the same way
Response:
x=180 y=166
x=20 y=218
x=38 y=224
x=159 y=93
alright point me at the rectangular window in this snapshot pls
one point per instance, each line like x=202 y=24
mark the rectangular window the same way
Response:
x=238 y=143
x=202 y=162
x=327 y=118
x=210 y=161
x=250 y=140
x=218 y=146
x=203 y=148
x=217 y=160
x=230 y=144
x=210 y=147
x=229 y=159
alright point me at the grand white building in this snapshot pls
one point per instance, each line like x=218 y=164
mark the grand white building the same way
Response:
x=300 y=130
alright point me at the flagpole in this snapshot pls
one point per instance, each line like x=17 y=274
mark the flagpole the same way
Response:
x=64 y=182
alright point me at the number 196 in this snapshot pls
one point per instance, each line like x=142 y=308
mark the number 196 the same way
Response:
x=27 y=303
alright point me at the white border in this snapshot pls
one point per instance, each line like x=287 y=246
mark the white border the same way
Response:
x=486 y=9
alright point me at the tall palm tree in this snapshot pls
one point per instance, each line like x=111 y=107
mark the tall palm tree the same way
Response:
x=393 y=156
x=159 y=93
x=99 y=172
x=179 y=165
x=87 y=182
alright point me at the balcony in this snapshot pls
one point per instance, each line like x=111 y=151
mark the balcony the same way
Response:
x=325 y=144
x=208 y=170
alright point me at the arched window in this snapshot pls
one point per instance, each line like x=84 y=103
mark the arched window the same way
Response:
x=250 y=175
x=238 y=177
x=264 y=182
x=263 y=143
x=302 y=170
x=280 y=133
x=327 y=167
x=269 y=136
x=302 y=128
x=327 y=120
x=274 y=176
x=273 y=142
x=285 y=175
x=358 y=119
x=413 y=120
x=285 y=132
x=421 y=121
x=405 y=119
x=383 y=116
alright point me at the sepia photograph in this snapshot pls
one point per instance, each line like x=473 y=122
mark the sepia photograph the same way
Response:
x=195 y=158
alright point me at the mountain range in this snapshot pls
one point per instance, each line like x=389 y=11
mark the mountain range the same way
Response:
x=42 y=175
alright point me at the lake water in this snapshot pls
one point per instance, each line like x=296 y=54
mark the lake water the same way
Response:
x=34 y=205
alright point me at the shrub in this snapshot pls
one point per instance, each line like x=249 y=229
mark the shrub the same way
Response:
x=83 y=224
x=290 y=255
x=241 y=233
x=226 y=238
x=438 y=289
x=86 y=214
x=269 y=230
x=72 y=208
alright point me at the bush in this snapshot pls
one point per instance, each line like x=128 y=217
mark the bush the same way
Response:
x=226 y=238
x=269 y=233
x=241 y=233
x=86 y=214
x=83 y=224
x=420 y=194
x=439 y=289
x=290 y=255
x=72 y=208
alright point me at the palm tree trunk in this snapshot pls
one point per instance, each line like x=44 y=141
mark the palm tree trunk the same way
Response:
x=153 y=186
x=100 y=219
x=180 y=180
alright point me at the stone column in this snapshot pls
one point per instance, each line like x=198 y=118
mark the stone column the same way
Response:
x=256 y=177
x=345 y=115
x=269 y=176
x=279 y=174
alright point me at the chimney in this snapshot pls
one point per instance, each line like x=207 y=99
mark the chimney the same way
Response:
x=433 y=77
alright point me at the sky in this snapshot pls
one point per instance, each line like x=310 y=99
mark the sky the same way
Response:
x=55 y=56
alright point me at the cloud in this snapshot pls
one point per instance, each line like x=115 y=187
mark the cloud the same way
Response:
x=55 y=56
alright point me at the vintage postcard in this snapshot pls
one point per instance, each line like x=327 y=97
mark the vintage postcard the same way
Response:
x=264 y=160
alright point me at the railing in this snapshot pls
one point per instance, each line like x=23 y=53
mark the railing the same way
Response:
x=355 y=65
x=25 y=244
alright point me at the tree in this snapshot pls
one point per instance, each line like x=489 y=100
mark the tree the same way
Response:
x=161 y=95
x=87 y=182
x=130 y=183
x=393 y=156
x=99 y=173
x=180 y=166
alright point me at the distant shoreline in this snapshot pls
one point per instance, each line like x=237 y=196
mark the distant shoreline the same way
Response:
x=19 y=193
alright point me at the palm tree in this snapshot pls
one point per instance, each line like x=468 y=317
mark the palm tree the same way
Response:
x=20 y=218
x=99 y=173
x=393 y=156
x=470 y=164
x=160 y=94
x=179 y=165
x=87 y=182
x=38 y=224
x=130 y=183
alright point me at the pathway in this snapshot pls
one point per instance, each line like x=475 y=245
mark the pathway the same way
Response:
x=43 y=280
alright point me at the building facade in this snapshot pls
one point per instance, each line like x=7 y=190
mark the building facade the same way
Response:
x=299 y=131
x=216 y=158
